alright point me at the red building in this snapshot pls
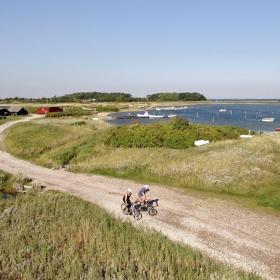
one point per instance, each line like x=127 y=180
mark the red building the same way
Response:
x=45 y=110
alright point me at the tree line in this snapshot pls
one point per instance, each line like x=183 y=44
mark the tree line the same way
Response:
x=110 y=97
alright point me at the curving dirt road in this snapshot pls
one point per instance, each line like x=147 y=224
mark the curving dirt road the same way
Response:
x=236 y=236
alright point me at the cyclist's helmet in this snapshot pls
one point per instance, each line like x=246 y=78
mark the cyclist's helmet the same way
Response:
x=129 y=190
x=147 y=187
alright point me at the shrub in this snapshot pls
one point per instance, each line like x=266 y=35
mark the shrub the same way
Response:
x=56 y=115
x=176 y=134
x=4 y=181
x=101 y=108
x=79 y=123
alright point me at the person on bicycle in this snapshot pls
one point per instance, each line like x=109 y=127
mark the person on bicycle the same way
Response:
x=128 y=198
x=143 y=194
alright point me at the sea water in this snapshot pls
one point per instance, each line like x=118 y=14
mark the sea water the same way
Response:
x=242 y=115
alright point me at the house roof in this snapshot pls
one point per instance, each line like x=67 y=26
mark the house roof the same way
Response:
x=14 y=109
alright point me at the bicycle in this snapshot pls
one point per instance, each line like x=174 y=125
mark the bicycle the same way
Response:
x=149 y=206
x=134 y=210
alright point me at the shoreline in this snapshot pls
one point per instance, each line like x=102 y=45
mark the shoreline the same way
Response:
x=208 y=110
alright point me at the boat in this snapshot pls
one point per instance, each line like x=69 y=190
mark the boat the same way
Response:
x=179 y=108
x=245 y=136
x=172 y=116
x=268 y=119
x=156 y=116
x=222 y=110
x=201 y=142
x=165 y=108
x=277 y=129
x=145 y=115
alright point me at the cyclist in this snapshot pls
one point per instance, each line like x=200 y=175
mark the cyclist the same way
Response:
x=143 y=194
x=127 y=199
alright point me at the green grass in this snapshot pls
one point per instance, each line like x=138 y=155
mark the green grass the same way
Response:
x=52 y=235
x=8 y=119
x=7 y=182
x=243 y=169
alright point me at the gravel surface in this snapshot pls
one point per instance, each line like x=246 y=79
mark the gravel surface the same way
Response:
x=225 y=231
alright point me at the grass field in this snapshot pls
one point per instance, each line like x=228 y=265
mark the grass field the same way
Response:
x=51 y=235
x=8 y=119
x=247 y=169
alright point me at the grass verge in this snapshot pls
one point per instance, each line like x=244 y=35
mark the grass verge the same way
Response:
x=52 y=235
x=8 y=119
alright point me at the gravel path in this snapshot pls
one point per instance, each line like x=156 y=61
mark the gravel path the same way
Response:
x=236 y=236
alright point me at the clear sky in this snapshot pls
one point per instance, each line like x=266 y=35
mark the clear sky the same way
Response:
x=223 y=49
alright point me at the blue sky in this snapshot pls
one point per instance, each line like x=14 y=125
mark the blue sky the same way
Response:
x=224 y=49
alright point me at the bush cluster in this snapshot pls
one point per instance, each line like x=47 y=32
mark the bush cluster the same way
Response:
x=101 y=108
x=4 y=180
x=56 y=115
x=176 y=134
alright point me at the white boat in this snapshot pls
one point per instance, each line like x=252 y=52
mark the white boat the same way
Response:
x=156 y=116
x=201 y=142
x=172 y=116
x=164 y=108
x=179 y=108
x=268 y=119
x=222 y=110
x=145 y=115
x=246 y=136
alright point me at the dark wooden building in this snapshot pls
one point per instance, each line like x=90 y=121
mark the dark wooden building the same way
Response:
x=45 y=110
x=17 y=111
x=4 y=112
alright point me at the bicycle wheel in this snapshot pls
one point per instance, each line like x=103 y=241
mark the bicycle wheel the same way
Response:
x=123 y=206
x=152 y=211
x=138 y=216
x=125 y=209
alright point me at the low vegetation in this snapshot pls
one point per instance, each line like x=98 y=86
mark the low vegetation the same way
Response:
x=248 y=168
x=69 y=112
x=101 y=108
x=78 y=111
x=7 y=182
x=8 y=119
x=176 y=134
x=57 y=236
